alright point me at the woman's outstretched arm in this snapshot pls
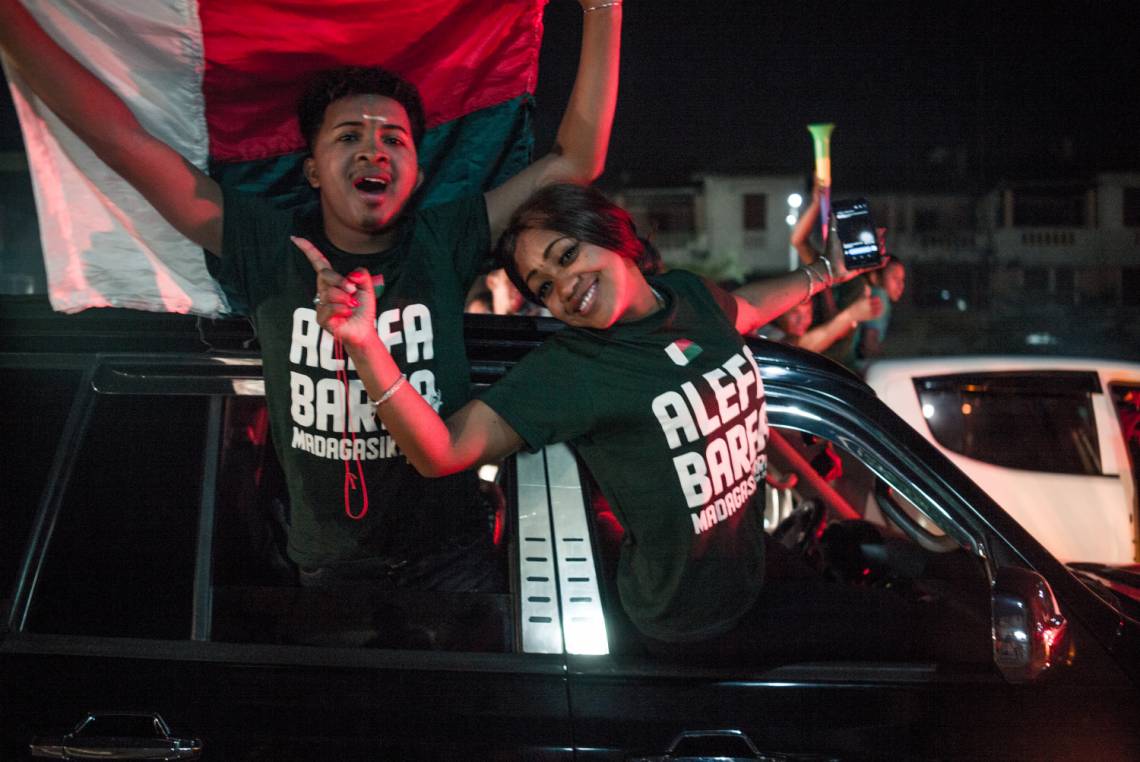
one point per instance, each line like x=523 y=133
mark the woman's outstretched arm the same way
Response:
x=473 y=435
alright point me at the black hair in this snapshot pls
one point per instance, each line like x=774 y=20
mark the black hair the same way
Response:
x=584 y=214
x=331 y=85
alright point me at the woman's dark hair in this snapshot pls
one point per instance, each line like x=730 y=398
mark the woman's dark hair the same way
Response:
x=331 y=85
x=584 y=214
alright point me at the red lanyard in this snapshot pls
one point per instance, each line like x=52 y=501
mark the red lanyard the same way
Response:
x=349 y=479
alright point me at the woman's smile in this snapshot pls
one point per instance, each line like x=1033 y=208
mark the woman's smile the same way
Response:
x=587 y=299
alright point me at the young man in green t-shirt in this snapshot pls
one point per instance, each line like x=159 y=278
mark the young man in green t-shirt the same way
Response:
x=363 y=129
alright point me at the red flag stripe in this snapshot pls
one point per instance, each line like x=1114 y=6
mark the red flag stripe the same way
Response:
x=464 y=55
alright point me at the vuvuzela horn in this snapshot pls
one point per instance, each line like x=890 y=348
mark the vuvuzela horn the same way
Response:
x=821 y=140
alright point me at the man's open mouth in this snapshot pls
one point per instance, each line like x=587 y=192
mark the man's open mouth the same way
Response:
x=371 y=184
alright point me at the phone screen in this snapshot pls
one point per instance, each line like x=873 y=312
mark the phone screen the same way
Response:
x=856 y=233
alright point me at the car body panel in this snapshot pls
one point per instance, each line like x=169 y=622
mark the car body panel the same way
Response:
x=595 y=697
x=1080 y=518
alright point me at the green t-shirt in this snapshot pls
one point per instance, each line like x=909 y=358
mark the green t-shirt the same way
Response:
x=419 y=317
x=668 y=414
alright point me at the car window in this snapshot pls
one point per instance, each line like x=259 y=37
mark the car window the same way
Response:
x=139 y=548
x=121 y=557
x=992 y=417
x=256 y=598
x=828 y=517
x=33 y=410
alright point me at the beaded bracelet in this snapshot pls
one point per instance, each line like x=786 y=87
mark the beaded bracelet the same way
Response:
x=600 y=6
x=395 y=387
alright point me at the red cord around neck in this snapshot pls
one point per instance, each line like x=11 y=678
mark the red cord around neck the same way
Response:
x=349 y=479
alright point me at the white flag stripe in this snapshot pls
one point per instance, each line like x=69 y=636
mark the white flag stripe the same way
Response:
x=676 y=355
x=103 y=244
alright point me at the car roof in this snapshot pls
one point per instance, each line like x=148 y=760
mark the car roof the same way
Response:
x=882 y=372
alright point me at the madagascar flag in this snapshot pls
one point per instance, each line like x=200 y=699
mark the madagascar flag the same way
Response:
x=218 y=79
x=682 y=351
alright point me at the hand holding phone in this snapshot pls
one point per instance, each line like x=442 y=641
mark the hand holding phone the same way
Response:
x=855 y=230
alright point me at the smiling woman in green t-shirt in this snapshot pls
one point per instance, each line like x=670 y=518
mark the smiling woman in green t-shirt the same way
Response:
x=651 y=384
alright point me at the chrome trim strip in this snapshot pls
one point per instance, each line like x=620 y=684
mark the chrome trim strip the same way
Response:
x=541 y=623
x=583 y=623
x=202 y=614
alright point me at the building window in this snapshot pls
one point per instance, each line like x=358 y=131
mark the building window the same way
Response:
x=952 y=286
x=1130 y=286
x=1036 y=279
x=1132 y=207
x=1064 y=285
x=755 y=211
x=1049 y=208
x=671 y=214
x=925 y=220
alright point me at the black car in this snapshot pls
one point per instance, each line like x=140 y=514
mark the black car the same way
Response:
x=141 y=567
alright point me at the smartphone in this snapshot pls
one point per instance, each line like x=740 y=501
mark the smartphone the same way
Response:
x=856 y=232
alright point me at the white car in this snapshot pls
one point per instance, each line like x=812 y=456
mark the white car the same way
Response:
x=1052 y=440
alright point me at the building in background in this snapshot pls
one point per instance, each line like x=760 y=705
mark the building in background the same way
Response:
x=1067 y=243
x=1029 y=245
x=723 y=226
x=1071 y=243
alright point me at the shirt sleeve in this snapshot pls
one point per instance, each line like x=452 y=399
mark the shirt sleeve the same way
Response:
x=462 y=228
x=723 y=299
x=252 y=232
x=545 y=398
x=705 y=292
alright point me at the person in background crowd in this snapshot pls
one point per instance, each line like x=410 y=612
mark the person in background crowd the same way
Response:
x=496 y=295
x=795 y=326
x=887 y=285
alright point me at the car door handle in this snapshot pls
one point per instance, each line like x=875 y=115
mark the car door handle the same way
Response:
x=117 y=735
x=721 y=745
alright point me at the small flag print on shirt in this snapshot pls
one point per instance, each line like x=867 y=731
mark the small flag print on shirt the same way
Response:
x=682 y=351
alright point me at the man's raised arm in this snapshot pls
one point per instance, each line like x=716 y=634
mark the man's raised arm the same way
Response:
x=184 y=195
x=579 y=152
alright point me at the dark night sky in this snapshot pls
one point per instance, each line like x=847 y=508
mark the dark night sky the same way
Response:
x=923 y=94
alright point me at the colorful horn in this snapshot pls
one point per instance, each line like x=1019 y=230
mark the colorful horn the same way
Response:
x=821 y=140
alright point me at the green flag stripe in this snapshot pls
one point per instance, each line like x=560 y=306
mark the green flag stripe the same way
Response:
x=471 y=154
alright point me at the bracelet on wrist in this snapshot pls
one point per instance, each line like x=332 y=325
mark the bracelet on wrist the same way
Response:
x=830 y=272
x=602 y=6
x=811 y=276
x=391 y=390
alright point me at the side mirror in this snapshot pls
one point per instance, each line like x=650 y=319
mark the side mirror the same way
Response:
x=1030 y=634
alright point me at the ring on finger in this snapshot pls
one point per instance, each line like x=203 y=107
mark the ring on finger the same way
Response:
x=317 y=301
